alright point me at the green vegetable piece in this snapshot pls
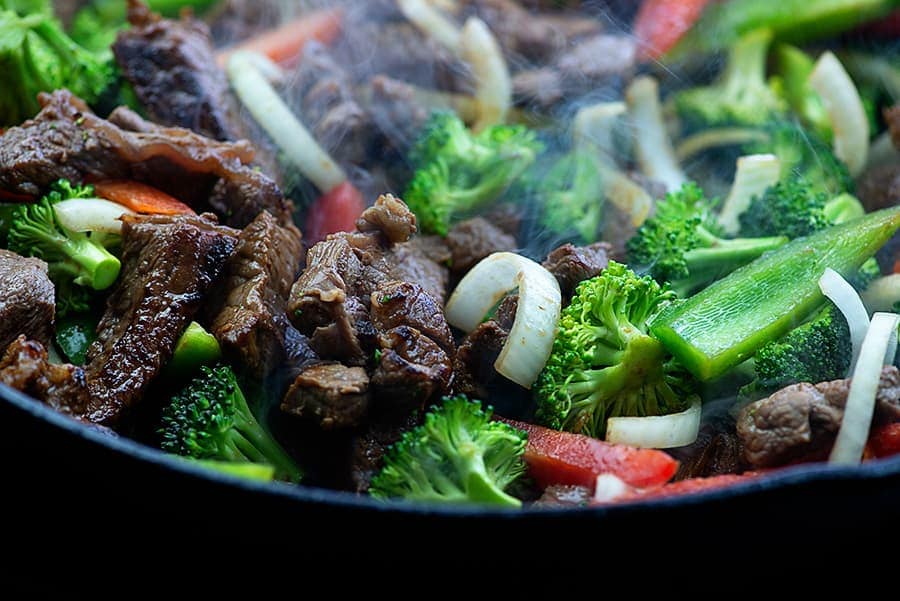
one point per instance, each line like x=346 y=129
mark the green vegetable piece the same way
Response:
x=250 y=471
x=195 y=348
x=570 y=195
x=730 y=320
x=457 y=456
x=794 y=67
x=74 y=334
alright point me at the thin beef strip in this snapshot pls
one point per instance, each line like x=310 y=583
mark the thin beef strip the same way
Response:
x=574 y=264
x=472 y=240
x=27 y=299
x=473 y=365
x=331 y=394
x=252 y=297
x=892 y=118
x=800 y=422
x=172 y=68
x=168 y=266
x=66 y=140
x=26 y=367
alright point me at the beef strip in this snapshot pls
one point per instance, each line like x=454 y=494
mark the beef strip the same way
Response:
x=473 y=365
x=423 y=260
x=26 y=367
x=367 y=451
x=27 y=299
x=252 y=297
x=66 y=140
x=472 y=240
x=716 y=451
x=405 y=303
x=395 y=111
x=574 y=264
x=168 y=265
x=331 y=394
x=519 y=31
x=800 y=421
x=233 y=20
x=879 y=187
x=172 y=68
x=892 y=118
x=564 y=495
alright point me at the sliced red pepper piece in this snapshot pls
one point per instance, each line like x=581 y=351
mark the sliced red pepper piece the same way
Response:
x=660 y=24
x=884 y=441
x=334 y=211
x=141 y=198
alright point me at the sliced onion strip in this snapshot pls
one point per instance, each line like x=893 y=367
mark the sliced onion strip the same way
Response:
x=754 y=174
x=531 y=337
x=608 y=488
x=656 y=431
x=652 y=144
x=881 y=294
x=431 y=22
x=493 y=86
x=91 y=215
x=879 y=348
x=845 y=109
x=848 y=302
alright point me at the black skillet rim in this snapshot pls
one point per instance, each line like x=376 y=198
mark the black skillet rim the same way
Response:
x=789 y=477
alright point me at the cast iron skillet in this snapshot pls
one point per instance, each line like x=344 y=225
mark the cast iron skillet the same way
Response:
x=60 y=468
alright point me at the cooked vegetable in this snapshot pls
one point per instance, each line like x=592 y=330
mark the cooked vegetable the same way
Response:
x=457 y=456
x=793 y=69
x=570 y=195
x=141 y=198
x=883 y=294
x=846 y=299
x=741 y=96
x=604 y=363
x=72 y=256
x=74 y=334
x=285 y=43
x=493 y=86
x=250 y=471
x=432 y=22
x=555 y=457
x=37 y=56
x=661 y=23
x=530 y=338
x=753 y=176
x=652 y=144
x=884 y=441
x=210 y=419
x=90 y=215
x=610 y=489
x=194 y=349
x=878 y=349
x=334 y=211
x=729 y=321
x=458 y=172
x=845 y=109
x=656 y=431
x=682 y=244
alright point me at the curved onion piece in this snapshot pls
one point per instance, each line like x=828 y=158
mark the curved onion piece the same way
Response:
x=651 y=140
x=656 y=431
x=754 y=174
x=845 y=109
x=493 y=85
x=91 y=215
x=431 y=22
x=249 y=74
x=531 y=337
x=850 y=304
x=882 y=294
x=878 y=348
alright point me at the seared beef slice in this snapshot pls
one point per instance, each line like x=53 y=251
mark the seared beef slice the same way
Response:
x=331 y=394
x=251 y=299
x=168 y=266
x=27 y=299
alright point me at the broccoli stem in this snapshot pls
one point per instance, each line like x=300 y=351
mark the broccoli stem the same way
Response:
x=90 y=264
x=483 y=490
x=261 y=448
x=747 y=62
x=725 y=255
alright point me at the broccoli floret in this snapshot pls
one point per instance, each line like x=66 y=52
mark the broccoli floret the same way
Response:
x=457 y=172
x=682 y=244
x=741 y=96
x=803 y=154
x=457 y=456
x=604 y=363
x=794 y=66
x=75 y=259
x=570 y=196
x=817 y=351
x=210 y=419
x=36 y=56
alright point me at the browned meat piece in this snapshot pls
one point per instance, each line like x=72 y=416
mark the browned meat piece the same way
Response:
x=66 y=140
x=599 y=57
x=472 y=240
x=506 y=216
x=327 y=102
x=404 y=303
x=27 y=299
x=473 y=365
x=541 y=87
x=412 y=369
x=25 y=367
x=574 y=264
x=422 y=260
x=168 y=265
x=331 y=394
x=390 y=216
x=879 y=187
x=800 y=422
x=172 y=68
x=716 y=451
x=892 y=118
x=519 y=31
x=233 y=20
x=395 y=111
x=367 y=454
x=251 y=300
x=563 y=495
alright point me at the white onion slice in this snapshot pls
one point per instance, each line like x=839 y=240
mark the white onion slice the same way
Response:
x=878 y=348
x=656 y=431
x=531 y=337
x=431 y=22
x=608 y=488
x=845 y=109
x=881 y=294
x=754 y=174
x=249 y=74
x=848 y=302
x=493 y=86
x=91 y=215
x=652 y=144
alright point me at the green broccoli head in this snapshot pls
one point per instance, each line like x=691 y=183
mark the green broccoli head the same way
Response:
x=457 y=456
x=604 y=363
x=210 y=419
x=817 y=351
x=741 y=96
x=458 y=172
x=36 y=56
x=570 y=195
x=682 y=244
